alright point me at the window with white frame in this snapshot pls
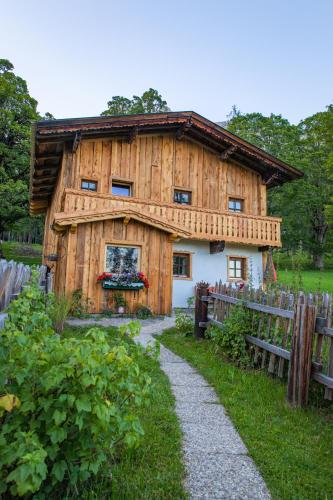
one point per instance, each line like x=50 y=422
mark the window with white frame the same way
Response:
x=121 y=259
x=237 y=268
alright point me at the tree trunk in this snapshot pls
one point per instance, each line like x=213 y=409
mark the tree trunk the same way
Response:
x=318 y=261
x=319 y=227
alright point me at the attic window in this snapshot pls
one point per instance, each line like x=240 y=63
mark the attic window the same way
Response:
x=89 y=185
x=182 y=197
x=236 y=205
x=121 y=189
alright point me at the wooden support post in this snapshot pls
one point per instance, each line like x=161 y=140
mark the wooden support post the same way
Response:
x=301 y=354
x=201 y=312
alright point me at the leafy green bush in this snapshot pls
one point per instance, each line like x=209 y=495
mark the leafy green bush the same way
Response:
x=184 y=322
x=143 y=312
x=79 y=305
x=230 y=337
x=68 y=405
x=58 y=310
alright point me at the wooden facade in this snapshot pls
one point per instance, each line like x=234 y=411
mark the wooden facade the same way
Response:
x=153 y=160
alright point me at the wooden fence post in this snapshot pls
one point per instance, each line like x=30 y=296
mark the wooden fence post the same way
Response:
x=301 y=353
x=201 y=312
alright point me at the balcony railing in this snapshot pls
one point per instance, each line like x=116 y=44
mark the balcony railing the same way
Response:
x=203 y=224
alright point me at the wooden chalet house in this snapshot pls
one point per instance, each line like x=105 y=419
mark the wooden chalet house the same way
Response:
x=171 y=195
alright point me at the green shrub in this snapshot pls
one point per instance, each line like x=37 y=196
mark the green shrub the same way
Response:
x=68 y=405
x=79 y=306
x=58 y=310
x=143 y=312
x=184 y=322
x=230 y=337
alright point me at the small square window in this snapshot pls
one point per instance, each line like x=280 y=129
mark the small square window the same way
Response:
x=121 y=189
x=121 y=259
x=182 y=197
x=235 y=205
x=182 y=265
x=89 y=185
x=237 y=268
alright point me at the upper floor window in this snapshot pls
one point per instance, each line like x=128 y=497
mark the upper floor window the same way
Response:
x=89 y=185
x=182 y=197
x=236 y=205
x=237 y=268
x=121 y=188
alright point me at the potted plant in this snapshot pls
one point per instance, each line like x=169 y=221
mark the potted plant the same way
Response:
x=119 y=302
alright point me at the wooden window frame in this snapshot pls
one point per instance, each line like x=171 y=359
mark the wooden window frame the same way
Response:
x=184 y=190
x=91 y=179
x=237 y=198
x=122 y=245
x=122 y=182
x=244 y=268
x=189 y=256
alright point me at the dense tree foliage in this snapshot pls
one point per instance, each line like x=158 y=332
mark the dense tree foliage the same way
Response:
x=150 y=102
x=306 y=204
x=17 y=110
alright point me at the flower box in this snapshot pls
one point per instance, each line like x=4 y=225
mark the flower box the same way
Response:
x=123 y=281
x=116 y=286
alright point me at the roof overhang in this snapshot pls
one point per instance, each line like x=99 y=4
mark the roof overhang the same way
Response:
x=50 y=137
x=63 y=221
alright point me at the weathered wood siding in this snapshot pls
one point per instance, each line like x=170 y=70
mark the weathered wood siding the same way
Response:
x=155 y=164
x=82 y=259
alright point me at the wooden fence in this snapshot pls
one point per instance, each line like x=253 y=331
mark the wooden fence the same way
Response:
x=13 y=277
x=290 y=334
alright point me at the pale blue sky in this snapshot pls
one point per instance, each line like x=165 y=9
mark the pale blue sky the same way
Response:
x=262 y=55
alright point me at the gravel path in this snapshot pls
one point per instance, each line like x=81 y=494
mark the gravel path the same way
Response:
x=216 y=459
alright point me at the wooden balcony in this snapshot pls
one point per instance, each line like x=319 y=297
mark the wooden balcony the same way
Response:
x=200 y=224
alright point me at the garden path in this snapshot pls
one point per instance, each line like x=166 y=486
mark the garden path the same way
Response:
x=217 y=462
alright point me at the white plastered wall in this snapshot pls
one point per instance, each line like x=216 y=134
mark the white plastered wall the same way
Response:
x=212 y=268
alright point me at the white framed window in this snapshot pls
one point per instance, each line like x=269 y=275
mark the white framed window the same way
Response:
x=237 y=268
x=121 y=259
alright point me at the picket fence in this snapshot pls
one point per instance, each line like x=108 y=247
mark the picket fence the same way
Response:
x=293 y=337
x=13 y=277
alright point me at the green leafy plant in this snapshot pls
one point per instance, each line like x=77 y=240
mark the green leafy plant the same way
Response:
x=58 y=309
x=79 y=306
x=184 y=321
x=230 y=337
x=68 y=405
x=143 y=312
x=119 y=300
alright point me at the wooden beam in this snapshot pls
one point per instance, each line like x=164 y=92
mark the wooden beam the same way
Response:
x=126 y=220
x=267 y=179
x=48 y=156
x=173 y=237
x=228 y=152
x=76 y=142
x=132 y=135
x=216 y=246
x=183 y=129
x=73 y=228
x=263 y=249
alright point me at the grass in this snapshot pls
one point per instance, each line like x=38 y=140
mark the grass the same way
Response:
x=312 y=281
x=155 y=469
x=30 y=254
x=293 y=449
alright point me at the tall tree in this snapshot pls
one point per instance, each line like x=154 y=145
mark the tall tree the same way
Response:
x=150 y=102
x=17 y=110
x=304 y=204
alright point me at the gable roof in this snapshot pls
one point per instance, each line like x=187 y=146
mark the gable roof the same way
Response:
x=49 y=138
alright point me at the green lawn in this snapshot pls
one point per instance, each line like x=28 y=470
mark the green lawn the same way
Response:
x=312 y=281
x=23 y=252
x=292 y=448
x=154 y=470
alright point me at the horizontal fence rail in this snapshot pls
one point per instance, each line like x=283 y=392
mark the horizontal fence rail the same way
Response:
x=296 y=330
